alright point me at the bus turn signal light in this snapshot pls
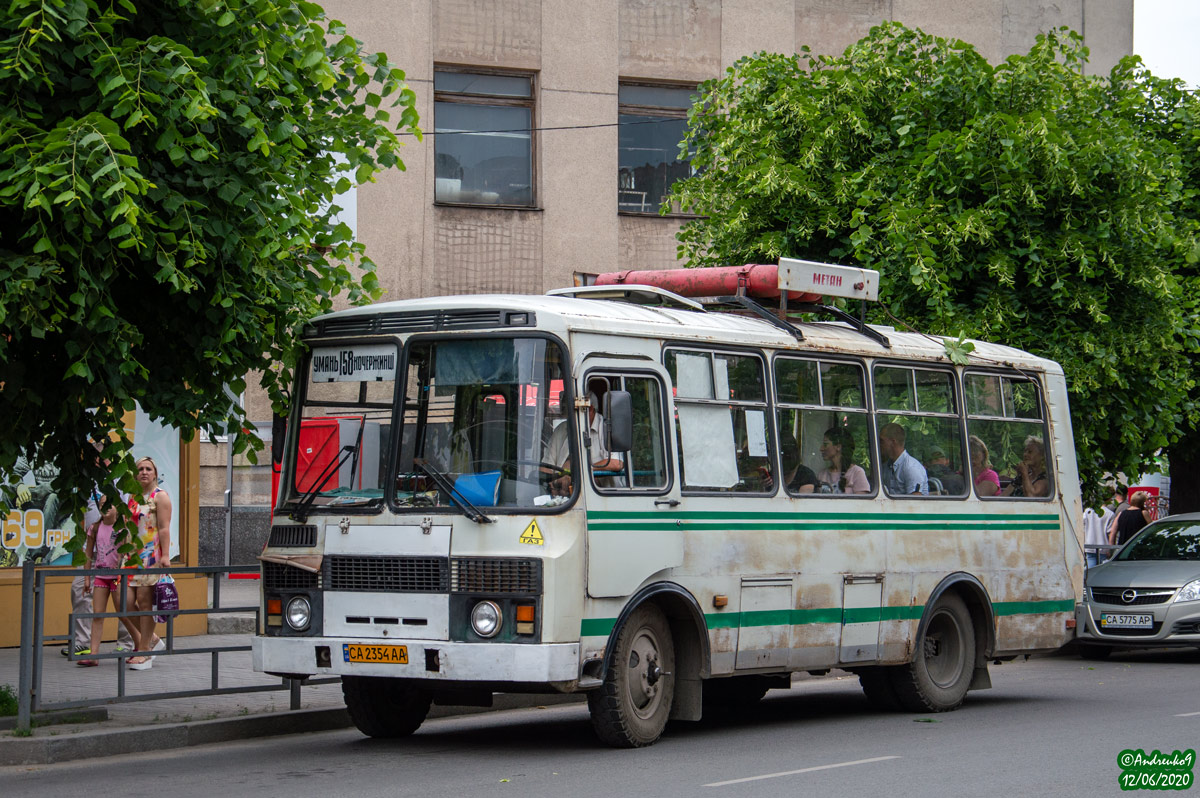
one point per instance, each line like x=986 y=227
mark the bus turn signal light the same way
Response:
x=525 y=615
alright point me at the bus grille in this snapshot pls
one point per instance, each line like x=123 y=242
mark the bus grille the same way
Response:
x=277 y=577
x=490 y=575
x=386 y=574
x=293 y=536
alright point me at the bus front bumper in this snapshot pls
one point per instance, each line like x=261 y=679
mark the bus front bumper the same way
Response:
x=426 y=659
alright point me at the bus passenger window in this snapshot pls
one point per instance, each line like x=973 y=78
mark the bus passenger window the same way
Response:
x=724 y=438
x=920 y=435
x=822 y=408
x=1007 y=428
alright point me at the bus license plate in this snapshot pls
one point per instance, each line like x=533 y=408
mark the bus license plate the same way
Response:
x=388 y=655
x=1111 y=621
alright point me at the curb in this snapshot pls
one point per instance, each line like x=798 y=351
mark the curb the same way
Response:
x=103 y=742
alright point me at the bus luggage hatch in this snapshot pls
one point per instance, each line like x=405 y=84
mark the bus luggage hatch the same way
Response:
x=862 y=596
x=765 y=628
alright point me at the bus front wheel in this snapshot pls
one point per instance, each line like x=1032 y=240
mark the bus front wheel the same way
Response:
x=382 y=707
x=939 y=675
x=630 y=709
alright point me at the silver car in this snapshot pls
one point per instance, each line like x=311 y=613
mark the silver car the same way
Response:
x=1148 y=594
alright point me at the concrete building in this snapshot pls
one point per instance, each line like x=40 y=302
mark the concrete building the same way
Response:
x=549 y=182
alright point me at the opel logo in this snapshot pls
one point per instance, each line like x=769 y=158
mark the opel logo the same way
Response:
x=1128 y=596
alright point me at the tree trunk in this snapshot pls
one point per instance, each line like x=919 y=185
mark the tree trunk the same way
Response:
x=1185 y=472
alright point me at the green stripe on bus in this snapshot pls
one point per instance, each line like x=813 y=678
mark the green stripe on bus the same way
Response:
x=602 y=627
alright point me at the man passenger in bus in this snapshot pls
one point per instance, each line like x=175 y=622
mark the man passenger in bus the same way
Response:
x=903 y=474
x=841 y=474
x=557 y=451
x=939 y=468
x=600 y=458
x=1031 y=477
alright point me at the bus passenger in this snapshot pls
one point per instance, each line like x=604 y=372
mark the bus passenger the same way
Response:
x=842 y=474
x=1031 y=471
x=987 y=481
x=903 y=474
x=798 y=477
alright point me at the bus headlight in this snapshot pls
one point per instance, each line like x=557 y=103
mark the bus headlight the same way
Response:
x=486 y=618
x=299 y=613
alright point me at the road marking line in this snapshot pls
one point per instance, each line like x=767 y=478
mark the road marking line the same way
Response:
x=1187 y=714
x=804 y=770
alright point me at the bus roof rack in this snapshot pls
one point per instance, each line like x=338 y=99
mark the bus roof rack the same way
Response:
x=636 y=294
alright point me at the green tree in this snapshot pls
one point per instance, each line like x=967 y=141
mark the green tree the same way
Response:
x=167 y=174
x=1025 y=203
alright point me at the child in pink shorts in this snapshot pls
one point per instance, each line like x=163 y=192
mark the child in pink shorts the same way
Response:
x=101 y=552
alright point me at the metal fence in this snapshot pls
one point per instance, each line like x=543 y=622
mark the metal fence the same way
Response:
x=34 y=639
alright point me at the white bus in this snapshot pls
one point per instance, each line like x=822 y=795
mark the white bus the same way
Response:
x=622 y=491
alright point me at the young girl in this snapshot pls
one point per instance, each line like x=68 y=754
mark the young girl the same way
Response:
x=101 y=552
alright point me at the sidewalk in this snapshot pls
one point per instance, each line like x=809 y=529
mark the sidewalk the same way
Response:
x=180 y=722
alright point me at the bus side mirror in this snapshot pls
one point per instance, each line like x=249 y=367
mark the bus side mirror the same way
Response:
x=618 y=418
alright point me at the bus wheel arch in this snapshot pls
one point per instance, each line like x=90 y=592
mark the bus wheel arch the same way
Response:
x=955 y=637
x=689 y=635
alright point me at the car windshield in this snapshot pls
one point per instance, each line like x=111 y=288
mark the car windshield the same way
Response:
x=487 y=416
x=1166 y=540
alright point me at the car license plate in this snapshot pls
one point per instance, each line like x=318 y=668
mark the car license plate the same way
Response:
x=1110 y=620
x=388 y=655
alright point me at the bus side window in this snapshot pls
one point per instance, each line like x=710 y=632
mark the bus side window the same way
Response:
x=644 y=466
x=920 y=434
x=1008 y=437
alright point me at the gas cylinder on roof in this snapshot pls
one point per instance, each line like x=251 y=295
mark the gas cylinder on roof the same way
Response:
x=756 y=280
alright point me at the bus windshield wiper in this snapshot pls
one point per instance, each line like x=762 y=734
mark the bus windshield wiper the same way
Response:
x=300 y=514
x=443 y=482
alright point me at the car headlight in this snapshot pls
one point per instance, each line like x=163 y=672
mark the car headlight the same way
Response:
x=1190 y=591
x=299 y=613
x=485 y=618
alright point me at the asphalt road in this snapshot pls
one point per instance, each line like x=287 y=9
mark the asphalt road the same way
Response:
x=1048 y=727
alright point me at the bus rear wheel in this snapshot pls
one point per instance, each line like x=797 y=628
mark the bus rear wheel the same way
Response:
x=385 y=708
x=938 y=677
x=630 y=709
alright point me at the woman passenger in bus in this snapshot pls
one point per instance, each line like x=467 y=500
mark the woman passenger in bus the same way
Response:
x=987 y=481
x=1031 y=477
x=842 y=475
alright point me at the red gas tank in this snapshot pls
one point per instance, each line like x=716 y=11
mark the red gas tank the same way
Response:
x=760 y=281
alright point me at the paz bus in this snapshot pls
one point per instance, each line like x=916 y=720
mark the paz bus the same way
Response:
x=669 y=502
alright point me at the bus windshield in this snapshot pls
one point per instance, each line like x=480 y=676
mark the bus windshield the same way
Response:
x=484 y=420
x=345 y=426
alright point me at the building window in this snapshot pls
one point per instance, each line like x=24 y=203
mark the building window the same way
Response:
x=653 y=121
x=483 y=147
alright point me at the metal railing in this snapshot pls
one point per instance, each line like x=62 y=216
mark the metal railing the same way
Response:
x=34 y=639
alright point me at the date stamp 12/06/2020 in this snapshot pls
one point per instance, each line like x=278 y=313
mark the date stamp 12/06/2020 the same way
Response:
x=1156 y=770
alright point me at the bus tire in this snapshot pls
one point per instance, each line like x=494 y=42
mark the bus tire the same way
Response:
x=938 y=677
x=630 y=709
x=383 y=707
x=878 y=686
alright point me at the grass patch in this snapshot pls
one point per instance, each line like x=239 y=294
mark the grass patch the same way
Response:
x=8 y=700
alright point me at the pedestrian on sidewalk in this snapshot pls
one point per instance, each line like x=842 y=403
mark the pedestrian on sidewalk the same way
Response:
x=81 y=599
x=101 y=552
x=152 y=558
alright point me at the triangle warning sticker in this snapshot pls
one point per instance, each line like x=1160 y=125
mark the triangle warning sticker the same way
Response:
x=532 y=535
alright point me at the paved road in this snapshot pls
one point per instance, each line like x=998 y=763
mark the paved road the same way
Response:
x=1051 y=726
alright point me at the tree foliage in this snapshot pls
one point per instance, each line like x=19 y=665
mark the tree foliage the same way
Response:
x=167 y=174
x=1024 y=203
